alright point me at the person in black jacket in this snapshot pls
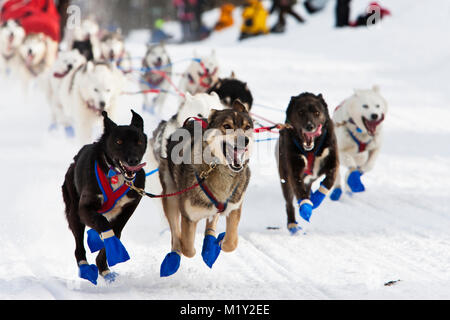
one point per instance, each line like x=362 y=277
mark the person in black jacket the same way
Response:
x=284 y=7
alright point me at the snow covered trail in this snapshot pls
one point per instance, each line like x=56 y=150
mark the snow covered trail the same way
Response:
x=397 y=230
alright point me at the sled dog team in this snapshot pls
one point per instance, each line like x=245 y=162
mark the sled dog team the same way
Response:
x=202 y=178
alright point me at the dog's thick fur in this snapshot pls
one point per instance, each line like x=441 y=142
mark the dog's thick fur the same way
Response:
x=63 y=68
x=81 y=192
x=195 y=80
x=363 y=104
x=157 y=68
x=305 y=113
x=92 y=88
x=11 y=37
x=198 y=105
x=230 y=89
x=229 y=179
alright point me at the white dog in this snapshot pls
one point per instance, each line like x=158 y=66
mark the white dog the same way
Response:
x=198 y=106
x=112 y=48
x=38 y=53
x=63 y=68
x=359 y=122
x=201 y=74
x=11 y=37
x=156 y=72
x=92 y=88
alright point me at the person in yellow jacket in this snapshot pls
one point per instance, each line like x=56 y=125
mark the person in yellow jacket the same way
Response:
x=254 y=19
x=226 y=17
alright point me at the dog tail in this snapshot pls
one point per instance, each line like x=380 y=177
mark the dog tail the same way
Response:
x=69 y=193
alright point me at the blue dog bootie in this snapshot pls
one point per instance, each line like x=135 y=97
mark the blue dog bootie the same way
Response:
x=88 y=272
x=211 y=248
x=318 y=196
x=115 y=251
x=336 y=194
x=305 y=208
x=95 y=243
x=170 y=264
x=109 y=276
x=293 y=228
x=354 y=181
x=70 y=132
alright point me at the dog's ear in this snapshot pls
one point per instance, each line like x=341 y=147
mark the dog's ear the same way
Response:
x=376 y=88
x=238 y=106
x=108 y=124
x=233 y=75
x=211 y=115
x=137 y=121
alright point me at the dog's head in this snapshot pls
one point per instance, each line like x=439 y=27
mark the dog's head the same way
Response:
x=205 y=70
x=368 y=108
x=230 y=89
x=124 y=145
x=33 y=49
x=156 y=56
x=199 y=105
x=229 y=137
x=88 y=29
x=112 y=45
x=99 y=85
x=308 y=115
x=11 y=36
x=67 y=61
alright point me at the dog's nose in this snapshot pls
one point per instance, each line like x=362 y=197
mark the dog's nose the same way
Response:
x=102 y=104
x=374 y=116
x=30 y=52
x=70 y=66
x=310 y=126
x=133 y=161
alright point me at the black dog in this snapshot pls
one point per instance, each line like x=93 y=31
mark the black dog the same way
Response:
x=85 y=48
x=230 y=89
x=307 y=150
x=97 y=195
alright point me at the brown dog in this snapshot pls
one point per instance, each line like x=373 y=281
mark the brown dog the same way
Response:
x=306 y=150
x=215 y=174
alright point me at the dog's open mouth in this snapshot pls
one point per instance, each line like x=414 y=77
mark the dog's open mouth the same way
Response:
x=91 y=106
x=29 y=60
x=129 y=172
x=62 y=74
x=235 y=156
x=309 y=138
x=371 y=125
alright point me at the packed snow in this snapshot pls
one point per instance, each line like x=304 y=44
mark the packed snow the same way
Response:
x=397 y=230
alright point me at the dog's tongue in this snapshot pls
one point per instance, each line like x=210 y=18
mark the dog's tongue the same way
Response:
x=29 y=59
x=311 y=135
x=372 y=125
x=135 y=168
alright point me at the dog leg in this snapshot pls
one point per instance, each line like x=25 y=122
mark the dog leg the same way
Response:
x=230 y=240
x=171 y=262
x=337 y=192
x=188 y=228
x=211 y=247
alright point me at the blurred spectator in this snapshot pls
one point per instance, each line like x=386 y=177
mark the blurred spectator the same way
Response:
x=226 y=17
x=284 y=7
x=254 y=18
x=158 y=34
x=200 y=30
x=186 y=16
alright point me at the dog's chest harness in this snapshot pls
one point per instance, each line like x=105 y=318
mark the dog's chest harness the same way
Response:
x=220 y=206
x=113 y=188
x=310 y=155
x=361 y=145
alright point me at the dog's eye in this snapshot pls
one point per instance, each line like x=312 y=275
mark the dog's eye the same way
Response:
x=139 y=142
x=95 y=89
x=227 y=127
x=377 y=105
x=317 y=113
x=247 y=127
x=119 y=142
x=365 y=106
x=200 y=115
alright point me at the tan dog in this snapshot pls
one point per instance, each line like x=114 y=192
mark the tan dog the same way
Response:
x=218 y=163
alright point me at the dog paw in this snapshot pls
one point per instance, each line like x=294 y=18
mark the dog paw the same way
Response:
x=211 y=248
x=109 y=276
x=336 y=194
x=70 y=132
x=354 y=182
x=115 y=251
x=88 y=272
x=94 y=241
x=294 y=228
x=305 y=209
x=170 y=264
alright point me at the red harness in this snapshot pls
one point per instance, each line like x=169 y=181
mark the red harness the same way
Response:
x=110 y=197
